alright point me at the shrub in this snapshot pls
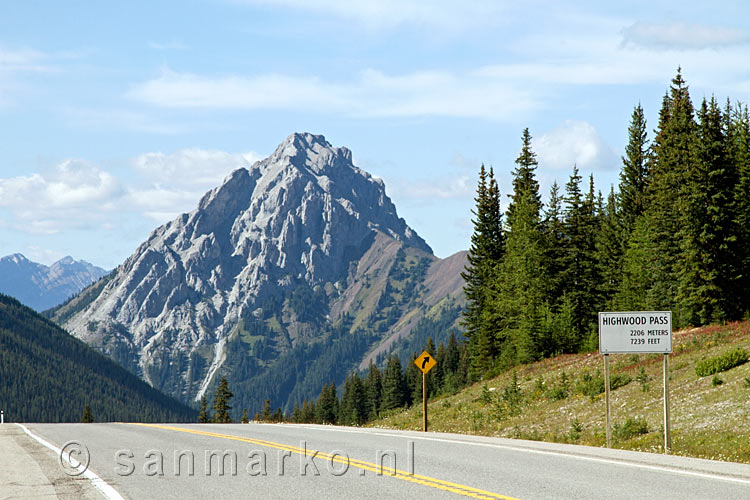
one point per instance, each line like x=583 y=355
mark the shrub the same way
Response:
x=576 y=428
x=593 y=385
x=561 y=389
x=721 y=363
x=631 y=428
x=643 y=379
x=716 y=381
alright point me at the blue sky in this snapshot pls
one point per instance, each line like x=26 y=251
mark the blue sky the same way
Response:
x=116 y=117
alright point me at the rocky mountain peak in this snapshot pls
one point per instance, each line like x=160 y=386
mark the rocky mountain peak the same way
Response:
x=274 y=245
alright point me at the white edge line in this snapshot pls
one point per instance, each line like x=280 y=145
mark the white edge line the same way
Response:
x=660 y=468
x=624 y=463
x=100 y=484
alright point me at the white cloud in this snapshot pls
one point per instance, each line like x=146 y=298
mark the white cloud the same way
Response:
x=574 y=142
x=192 y=166
x=185 y=90
x=22 y=60
x=447 y=15
x=76 y=194
x=173 y=183
x=73 y=194
x=680 y=35
x=371 y=94
x=444 y=188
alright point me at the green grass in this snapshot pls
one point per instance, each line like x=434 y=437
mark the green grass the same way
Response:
x=559 y=400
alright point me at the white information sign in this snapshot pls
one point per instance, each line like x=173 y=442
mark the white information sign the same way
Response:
x=635 y=332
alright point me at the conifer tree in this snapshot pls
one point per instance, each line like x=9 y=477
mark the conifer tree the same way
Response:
x=244 y=419
x=327 y=408
x=203 y=416
x=706 y=266
x=486 y=250
x=674 y=153
x=519 y=291
x=575 y=253
x=634 y=174
x=609 y=253
x=374 y=389
x=353 y=409
x=265 y=413
x=413 y=379
x=221 y=402
x=739 y=155
x=296 y=414
x=87 y=417
x=394 y=385
x=554 y=245
x=307 y=414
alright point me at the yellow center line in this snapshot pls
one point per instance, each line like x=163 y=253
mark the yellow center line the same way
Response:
x=432 y=482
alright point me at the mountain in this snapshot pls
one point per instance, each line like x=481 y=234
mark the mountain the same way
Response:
x=46 y=375
x=291 y=273
x=41 y=287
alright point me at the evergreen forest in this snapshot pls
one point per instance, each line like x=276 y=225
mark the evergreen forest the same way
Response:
x=47 y=375
x=674 y=235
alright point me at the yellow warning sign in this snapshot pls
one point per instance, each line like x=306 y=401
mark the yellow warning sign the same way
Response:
x=425 y=362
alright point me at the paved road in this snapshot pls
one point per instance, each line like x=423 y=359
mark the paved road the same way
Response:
x=280 y=461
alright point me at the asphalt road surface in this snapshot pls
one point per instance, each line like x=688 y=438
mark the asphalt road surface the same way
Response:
x=310 y=461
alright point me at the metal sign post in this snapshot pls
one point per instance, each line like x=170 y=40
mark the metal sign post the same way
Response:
x=667 y=434
x=606 y=397
x=425 y=362
x=424 y=402
x=636 y=332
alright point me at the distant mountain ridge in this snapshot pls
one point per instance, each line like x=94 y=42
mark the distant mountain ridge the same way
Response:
x=298 y=257
x=48 y=376
x=41 y=287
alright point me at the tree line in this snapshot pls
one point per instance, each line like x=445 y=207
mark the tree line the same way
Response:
x=674 y=236
x=367 y=397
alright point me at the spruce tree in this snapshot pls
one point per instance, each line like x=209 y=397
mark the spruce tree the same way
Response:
x=374 y=389
x=221 y=402
x=413 y=379
x=296 y=414
x=265 y=413
x=87 y=417
x=518 y=293
x=353 y=409
x=486 y=250
x=203 y=416
x=394 y=385
x=244 y=419
x=327 y=408
x=609 y=253
x=706 y=266
x=739 y=155
x=675 y=150
x=634 y=174
x=554 y=245
x=576 y=246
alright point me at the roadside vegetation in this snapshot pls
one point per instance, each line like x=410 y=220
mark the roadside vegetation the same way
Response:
x=561 y=399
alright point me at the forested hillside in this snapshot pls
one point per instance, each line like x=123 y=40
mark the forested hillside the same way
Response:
x=675 y=236
x=46 y=375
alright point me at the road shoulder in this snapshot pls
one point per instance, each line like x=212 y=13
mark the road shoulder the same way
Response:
x=29 y=470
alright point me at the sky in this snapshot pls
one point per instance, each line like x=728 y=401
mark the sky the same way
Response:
x=116 y=117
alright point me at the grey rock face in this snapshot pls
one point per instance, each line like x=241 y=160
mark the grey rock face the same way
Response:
x=302 y=217
x=41 y=287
